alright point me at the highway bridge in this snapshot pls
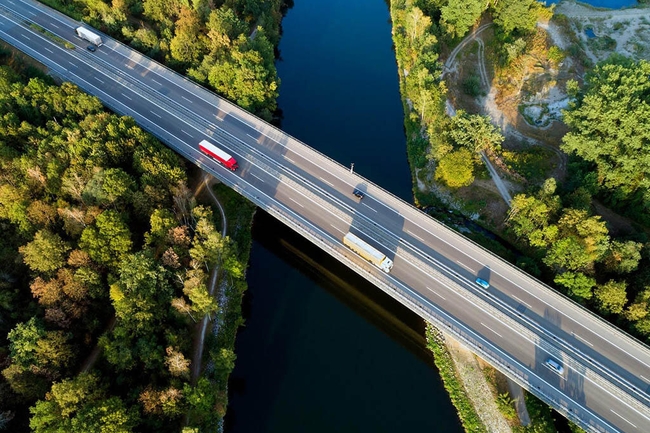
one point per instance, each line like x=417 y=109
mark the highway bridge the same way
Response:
x=517 y=324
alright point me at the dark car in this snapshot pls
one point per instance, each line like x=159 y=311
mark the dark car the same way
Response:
x=358 y=193
x=91 y=48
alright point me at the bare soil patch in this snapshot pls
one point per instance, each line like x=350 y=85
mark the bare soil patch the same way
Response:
x=603 y=32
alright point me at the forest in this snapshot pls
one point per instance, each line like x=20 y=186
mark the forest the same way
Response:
x=105 y=250
x=103 y=246
x=226 y=45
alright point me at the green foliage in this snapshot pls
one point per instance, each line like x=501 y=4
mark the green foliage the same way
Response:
x=514 y=49
x=78 y=190
x=458 y=16
x=46 y=252
x=108 y=241
x=246 y=76
x=201 y=400
x=35 y=351
x=511 y=15
x=623 y=257
x=608 y=130
x=472 y=85
x=79 y=405
x=506 y=406
x=140 y=293
x=186 y=46
x=541 y=416
x=475 y=132
x=456 y=169
x=466 y=412
x=611 y=297
x=24 y=340
x=578 y=285
x=556 y=54
x=162 y=220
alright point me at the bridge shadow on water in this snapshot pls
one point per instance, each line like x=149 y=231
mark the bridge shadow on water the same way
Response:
x=311 y=348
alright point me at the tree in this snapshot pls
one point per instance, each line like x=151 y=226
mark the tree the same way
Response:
x=162 y=221
x=638 y=310
x=166 y=402
x=41 y=213
x=14 y=203
x=580 y=241
x=176 y=363
x=186 y=46
x=609 y=129
x=611 y=297
x=224 y=27
x=578 y=285
x=202 y=303
x=39 y=351
x=456 y=169
x=623 y=257
x=513 y=15
x=81 y=405
x=117 y=185
x=24 y=340
x=458 y=16
x=475 y=132
x=46 y=252
x=528 y=214
x=247 y=76
x=416 y=24
x=108 y=241
x=140 y=293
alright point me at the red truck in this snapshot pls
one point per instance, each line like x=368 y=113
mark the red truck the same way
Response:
x=219 y=155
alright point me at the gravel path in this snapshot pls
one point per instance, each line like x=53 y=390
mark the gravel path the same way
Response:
x=478 y=390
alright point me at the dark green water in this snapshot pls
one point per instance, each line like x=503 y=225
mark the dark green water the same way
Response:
x=322 y=350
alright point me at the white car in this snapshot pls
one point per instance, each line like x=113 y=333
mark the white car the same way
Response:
x=554 y=365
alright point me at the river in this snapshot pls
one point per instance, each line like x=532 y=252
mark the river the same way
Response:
x=322 y=350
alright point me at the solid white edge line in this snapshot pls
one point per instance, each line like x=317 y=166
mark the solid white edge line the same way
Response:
x=301 y=205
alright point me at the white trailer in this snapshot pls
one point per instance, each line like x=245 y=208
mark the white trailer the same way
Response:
x=86 y=34
x=368 y=252
x=219 y=155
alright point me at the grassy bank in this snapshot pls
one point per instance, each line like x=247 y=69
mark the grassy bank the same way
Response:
x=466 y=412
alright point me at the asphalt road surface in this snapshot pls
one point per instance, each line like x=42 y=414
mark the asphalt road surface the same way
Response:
x=517 y=323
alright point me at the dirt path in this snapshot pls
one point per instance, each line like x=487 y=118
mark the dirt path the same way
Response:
x=201 y=327
x=449 y=66
x=449 y=63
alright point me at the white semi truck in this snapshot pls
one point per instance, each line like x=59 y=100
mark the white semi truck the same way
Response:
x=86 y=34
x=368 y=252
